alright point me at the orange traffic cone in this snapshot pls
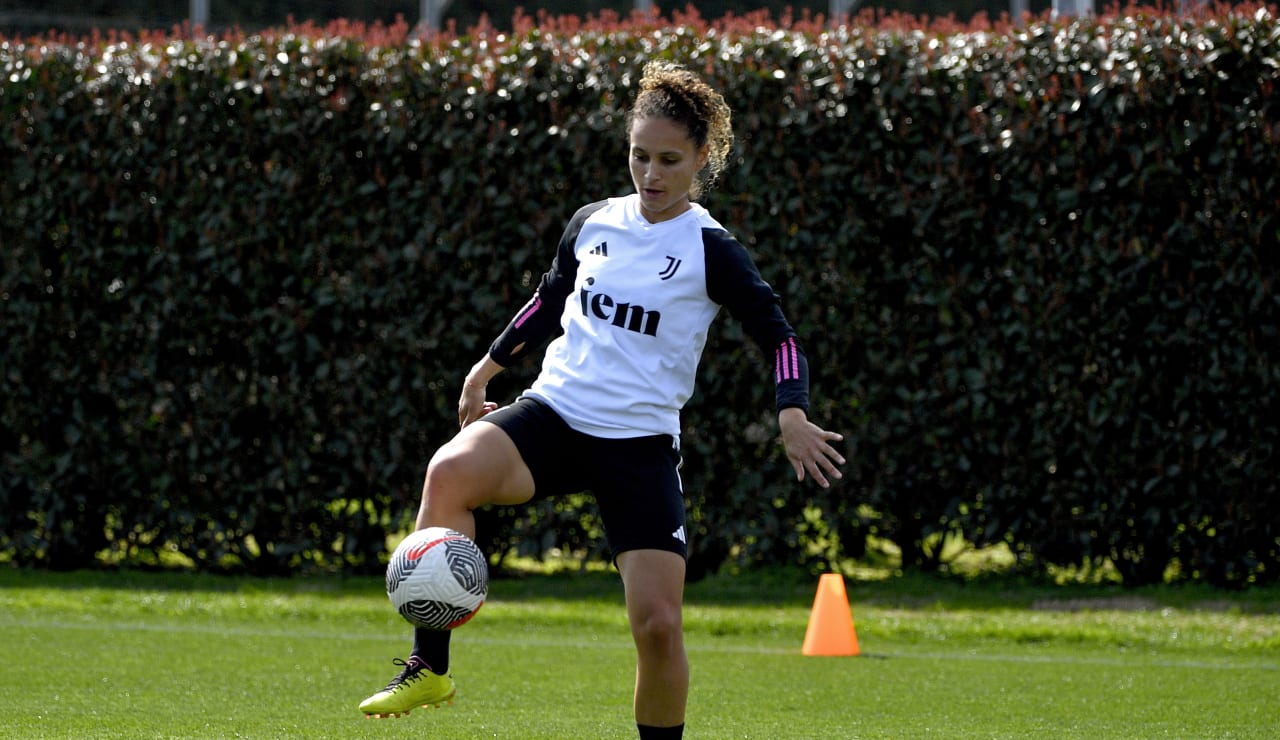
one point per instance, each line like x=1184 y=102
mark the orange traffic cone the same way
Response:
x=831 y=629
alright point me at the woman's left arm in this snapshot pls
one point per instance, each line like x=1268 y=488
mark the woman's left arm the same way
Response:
x=734 y=282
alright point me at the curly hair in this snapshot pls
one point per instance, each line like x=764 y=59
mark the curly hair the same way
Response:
x=668 y=90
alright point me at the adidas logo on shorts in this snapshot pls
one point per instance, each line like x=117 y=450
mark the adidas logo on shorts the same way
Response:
x=679 y=534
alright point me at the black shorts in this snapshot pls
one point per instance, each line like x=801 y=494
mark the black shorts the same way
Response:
x=635 y=481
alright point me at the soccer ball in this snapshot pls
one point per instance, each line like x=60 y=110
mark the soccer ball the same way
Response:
x=437 y=578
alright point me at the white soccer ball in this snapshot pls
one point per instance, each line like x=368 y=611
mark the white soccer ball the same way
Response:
x=437 y=578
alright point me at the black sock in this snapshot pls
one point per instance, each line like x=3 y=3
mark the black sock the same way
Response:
x=432 y=646
x=660 y=733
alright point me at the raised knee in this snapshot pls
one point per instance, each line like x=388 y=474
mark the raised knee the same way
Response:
x=447 y=475
x=480 y=466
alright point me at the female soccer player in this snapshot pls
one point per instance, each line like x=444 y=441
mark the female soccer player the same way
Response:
x=634 y=286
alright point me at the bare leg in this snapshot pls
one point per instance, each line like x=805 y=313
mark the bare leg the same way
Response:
x=654 y=584
x=479 y=466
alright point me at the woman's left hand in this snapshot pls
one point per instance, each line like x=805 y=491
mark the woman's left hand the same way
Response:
x=809 y=447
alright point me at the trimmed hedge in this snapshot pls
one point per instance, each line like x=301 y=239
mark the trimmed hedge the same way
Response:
x=1034 y=269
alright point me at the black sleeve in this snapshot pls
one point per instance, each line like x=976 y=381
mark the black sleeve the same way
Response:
x=539 y=320
x=733 y=281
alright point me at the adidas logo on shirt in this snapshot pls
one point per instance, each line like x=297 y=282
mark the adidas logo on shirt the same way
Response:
x=679 y=534
x=602 y=249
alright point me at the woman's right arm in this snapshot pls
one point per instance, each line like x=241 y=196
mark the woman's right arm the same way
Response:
x=532 y=325
x=539 y=319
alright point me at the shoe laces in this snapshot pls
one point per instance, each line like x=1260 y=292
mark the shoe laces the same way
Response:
x=412 y=668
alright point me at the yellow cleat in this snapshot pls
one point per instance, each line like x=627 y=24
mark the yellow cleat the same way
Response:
x=416 y=686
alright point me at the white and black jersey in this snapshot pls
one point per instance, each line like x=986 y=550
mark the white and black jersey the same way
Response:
x=632 y=302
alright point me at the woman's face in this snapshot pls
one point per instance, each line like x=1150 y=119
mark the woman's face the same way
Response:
x=664 y=161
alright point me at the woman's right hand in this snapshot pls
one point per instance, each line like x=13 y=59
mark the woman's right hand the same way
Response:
x=472 y=404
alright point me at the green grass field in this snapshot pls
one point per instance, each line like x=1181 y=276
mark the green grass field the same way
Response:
x=138 y=655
